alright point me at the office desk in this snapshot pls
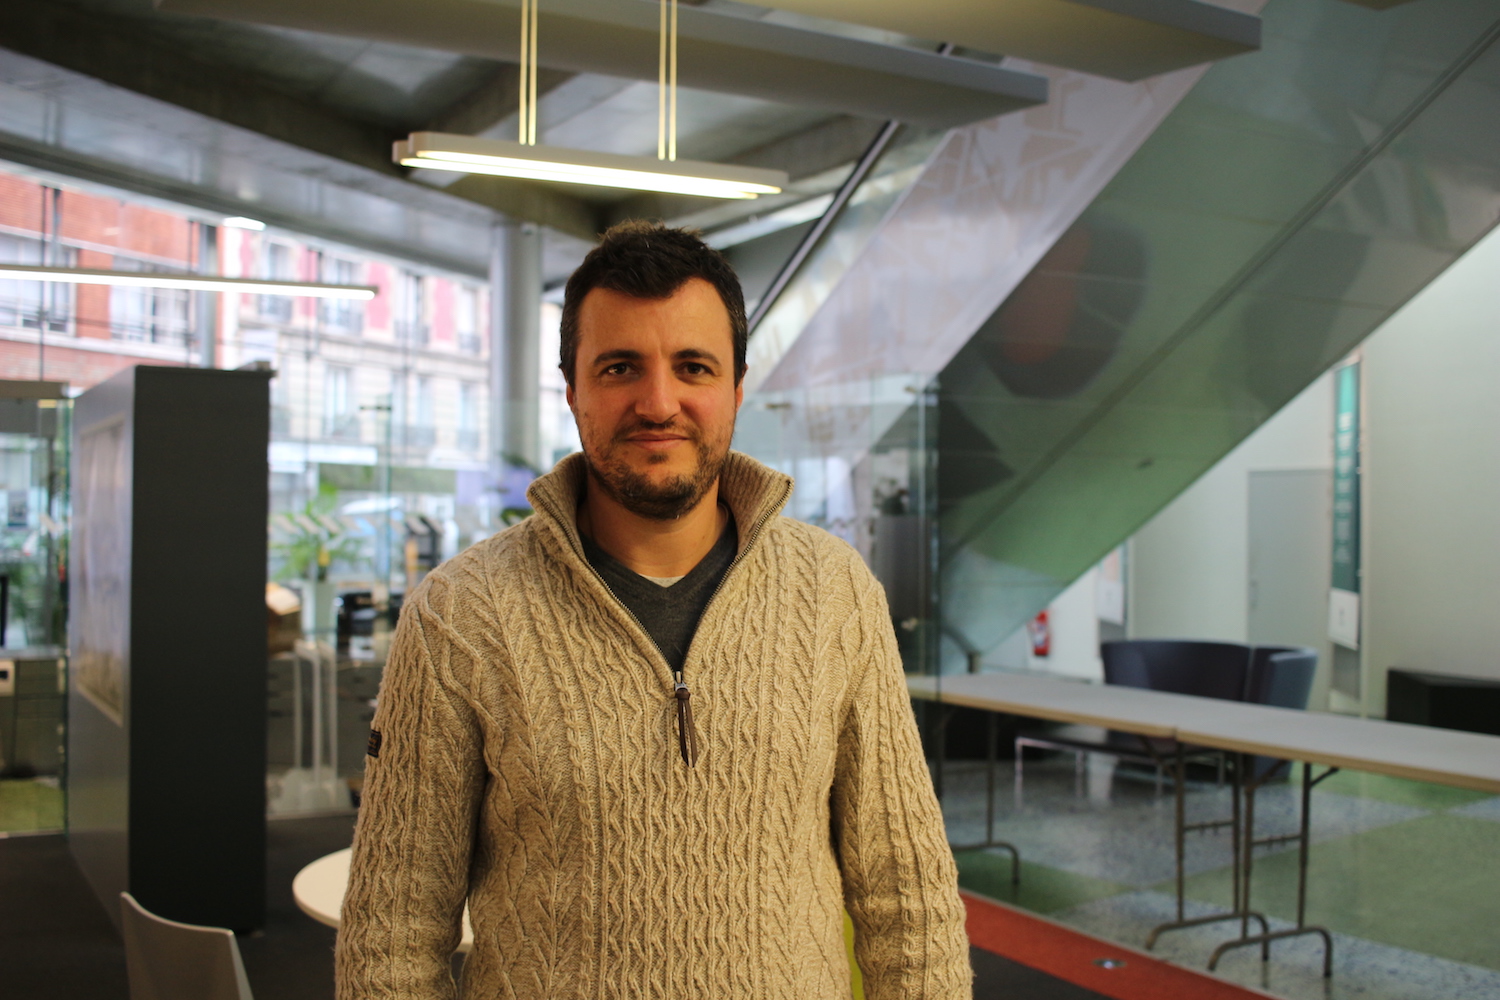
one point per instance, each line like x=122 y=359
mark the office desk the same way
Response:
x=1465 y=760
x=319 y=891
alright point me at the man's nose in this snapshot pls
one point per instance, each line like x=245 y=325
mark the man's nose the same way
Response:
x=657 y=401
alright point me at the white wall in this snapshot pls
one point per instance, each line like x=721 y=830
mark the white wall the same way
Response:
x=1074 y=620
x=1189 y=566
x=1432 y=480
x=1431 y=495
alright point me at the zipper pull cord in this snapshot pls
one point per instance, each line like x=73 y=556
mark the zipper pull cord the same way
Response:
x=687 y=734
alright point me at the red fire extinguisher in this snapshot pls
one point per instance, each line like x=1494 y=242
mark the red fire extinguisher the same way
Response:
x=1041 y=635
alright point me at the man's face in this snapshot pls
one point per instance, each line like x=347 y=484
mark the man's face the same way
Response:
x=654 y=394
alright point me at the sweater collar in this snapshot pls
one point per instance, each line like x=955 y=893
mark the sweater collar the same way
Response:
x=752 y=491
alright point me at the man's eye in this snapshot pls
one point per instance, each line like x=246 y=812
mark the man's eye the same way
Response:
x=693 y=368
x=617 y=369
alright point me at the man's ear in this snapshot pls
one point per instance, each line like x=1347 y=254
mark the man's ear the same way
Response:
x=739 y=390
x=572 y=399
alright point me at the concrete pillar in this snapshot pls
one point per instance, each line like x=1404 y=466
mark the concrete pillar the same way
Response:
x=515 y=347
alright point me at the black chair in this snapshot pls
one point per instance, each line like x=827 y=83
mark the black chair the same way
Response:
x=1207 y=669
x=1281 y=676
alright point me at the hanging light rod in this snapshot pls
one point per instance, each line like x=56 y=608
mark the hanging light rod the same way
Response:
x=146 y=279
x=526 y=160
x=466 y=154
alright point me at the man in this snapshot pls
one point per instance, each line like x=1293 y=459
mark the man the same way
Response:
x=656 y=735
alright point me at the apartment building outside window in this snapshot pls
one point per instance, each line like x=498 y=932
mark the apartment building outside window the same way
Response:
x=412 y=327
x=30 y=305
x=278 y=266
x=340 y=419
x=468 y=417
x=341 y=315
x=423 y=431
x=149 y=315
x=466 y=320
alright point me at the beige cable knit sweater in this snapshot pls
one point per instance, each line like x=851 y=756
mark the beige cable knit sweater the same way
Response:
x=528 y=764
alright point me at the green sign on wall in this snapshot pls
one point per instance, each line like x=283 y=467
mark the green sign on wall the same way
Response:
x=1343 y=605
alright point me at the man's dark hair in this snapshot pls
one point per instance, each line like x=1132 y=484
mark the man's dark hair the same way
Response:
x=650 y=261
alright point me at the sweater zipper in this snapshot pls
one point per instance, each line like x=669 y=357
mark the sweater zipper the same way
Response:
x=687 y=733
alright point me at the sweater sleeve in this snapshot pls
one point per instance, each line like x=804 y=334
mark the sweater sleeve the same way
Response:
x=408 y=878
x=900 y=881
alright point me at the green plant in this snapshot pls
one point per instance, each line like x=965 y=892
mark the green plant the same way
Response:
x=318 y=539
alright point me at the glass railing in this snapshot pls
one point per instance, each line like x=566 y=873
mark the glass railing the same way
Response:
x=1256 y=227
x=1292 y=201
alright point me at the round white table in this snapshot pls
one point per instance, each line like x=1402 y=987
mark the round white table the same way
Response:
x=319 y=891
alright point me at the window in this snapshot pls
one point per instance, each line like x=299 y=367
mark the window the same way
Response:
x=397 y=414
x=412 y=327
x=30 y=304
x=340 y=420
x=423 y=431
x=466 y=322
x=343 y=315
x=278 y=267
x=468 y=416
x=149 y=315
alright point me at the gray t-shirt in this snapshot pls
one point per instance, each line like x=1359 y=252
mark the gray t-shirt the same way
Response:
x=669 y=613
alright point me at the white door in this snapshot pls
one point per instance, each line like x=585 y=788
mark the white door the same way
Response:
x=1291 y=524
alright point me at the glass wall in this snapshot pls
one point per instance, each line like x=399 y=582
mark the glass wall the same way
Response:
x=378 y=458
x=34 y=428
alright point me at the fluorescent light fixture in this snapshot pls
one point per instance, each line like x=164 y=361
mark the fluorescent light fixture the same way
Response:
x=240 y=222
x=502 y=158
x=197 y=283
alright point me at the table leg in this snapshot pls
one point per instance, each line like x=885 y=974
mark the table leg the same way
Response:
x=992 y=755
x=1303 y=837
x=1179 y=772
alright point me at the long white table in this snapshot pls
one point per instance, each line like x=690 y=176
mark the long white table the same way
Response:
x=1422 y=753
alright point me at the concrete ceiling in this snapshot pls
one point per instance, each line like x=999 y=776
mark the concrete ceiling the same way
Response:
x=1120 y=39
x=723 y=49
x=286 y=109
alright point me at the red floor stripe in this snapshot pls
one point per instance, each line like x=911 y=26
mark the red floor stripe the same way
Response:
x=1065 y=953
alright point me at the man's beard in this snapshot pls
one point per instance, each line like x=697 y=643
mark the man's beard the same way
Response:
x=637 y=493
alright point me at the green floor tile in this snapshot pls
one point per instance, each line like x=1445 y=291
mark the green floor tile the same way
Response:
x=26 y=806
x=1399 y=791
x=1430 y=884
x=1042 y=889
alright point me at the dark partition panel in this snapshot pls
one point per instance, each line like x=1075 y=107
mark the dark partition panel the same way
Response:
x=166 y=704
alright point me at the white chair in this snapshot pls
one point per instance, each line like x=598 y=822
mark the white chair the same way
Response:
x=172 y=961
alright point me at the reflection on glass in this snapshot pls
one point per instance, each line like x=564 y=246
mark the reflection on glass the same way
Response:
x=34 y=440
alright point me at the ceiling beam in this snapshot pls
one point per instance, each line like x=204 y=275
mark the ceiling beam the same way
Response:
x=720 y=51
x=62 y=162
x=489 y=104
x=116 y=51
x=1120 y=39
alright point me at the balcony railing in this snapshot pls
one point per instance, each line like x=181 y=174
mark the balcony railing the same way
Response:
x=342 y=427
x=416 y=436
